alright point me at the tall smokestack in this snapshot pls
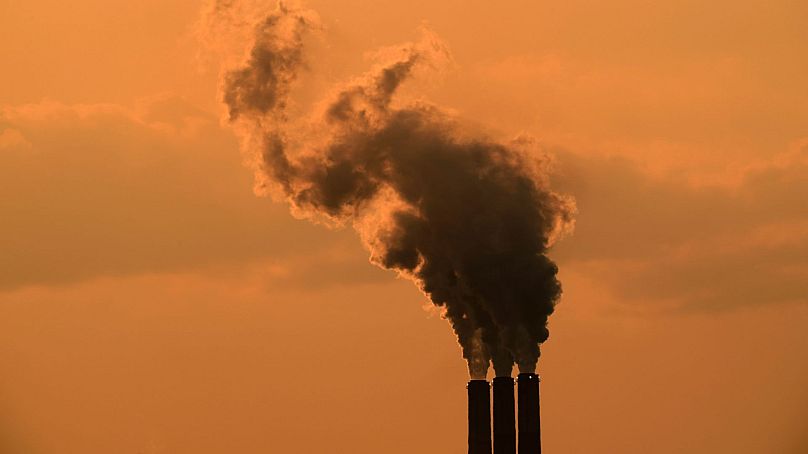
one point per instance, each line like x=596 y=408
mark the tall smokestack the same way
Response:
x=529 y=422
x=479 y=417
x=504 y=416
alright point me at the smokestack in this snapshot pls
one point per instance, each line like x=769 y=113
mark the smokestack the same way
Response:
x=479 y=417
x=504 y=416
x=529 y=418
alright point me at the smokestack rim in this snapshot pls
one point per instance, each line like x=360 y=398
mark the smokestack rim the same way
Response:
x=503 y=380
x=478 y=383
x=527 y=377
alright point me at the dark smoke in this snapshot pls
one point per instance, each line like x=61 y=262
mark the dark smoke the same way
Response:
x=465 y=217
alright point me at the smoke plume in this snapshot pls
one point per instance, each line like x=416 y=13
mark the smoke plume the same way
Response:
x=467 y=218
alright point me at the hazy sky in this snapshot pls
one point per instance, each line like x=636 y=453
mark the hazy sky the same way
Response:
x=151 y=303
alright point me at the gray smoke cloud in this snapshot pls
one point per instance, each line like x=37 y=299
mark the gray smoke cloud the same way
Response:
x=467 y=218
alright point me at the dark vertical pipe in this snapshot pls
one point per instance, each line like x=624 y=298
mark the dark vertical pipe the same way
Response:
x=504 y=416
x=479 y=417
x=529 y=422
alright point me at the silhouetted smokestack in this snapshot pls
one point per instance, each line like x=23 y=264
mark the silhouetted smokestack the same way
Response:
x=504 y=416
x=529 y=420
x=479 y=417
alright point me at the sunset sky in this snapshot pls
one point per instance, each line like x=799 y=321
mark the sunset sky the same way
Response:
x=152 y=303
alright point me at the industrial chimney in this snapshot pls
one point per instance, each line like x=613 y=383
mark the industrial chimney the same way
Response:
x=529 y=422
x=504 y=416
x=479 y=417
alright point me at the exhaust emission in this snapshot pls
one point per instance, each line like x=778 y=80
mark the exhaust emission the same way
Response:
x=468 y=217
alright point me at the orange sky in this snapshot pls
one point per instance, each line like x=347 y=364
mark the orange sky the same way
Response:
x=150 y=303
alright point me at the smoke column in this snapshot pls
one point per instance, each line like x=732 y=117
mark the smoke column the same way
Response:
x=467 y=218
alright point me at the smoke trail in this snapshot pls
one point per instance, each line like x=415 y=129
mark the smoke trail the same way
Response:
x=468 y=219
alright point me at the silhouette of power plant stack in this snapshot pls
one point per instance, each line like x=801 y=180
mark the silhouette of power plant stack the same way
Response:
x=505 y=435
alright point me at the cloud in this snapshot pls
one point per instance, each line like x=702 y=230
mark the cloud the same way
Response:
x=105 y=190
x=96 y=190
x=663 y=239
x=11 y=139
x=732 y=104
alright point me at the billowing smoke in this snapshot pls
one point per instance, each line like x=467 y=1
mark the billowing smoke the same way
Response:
x=467 y=218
